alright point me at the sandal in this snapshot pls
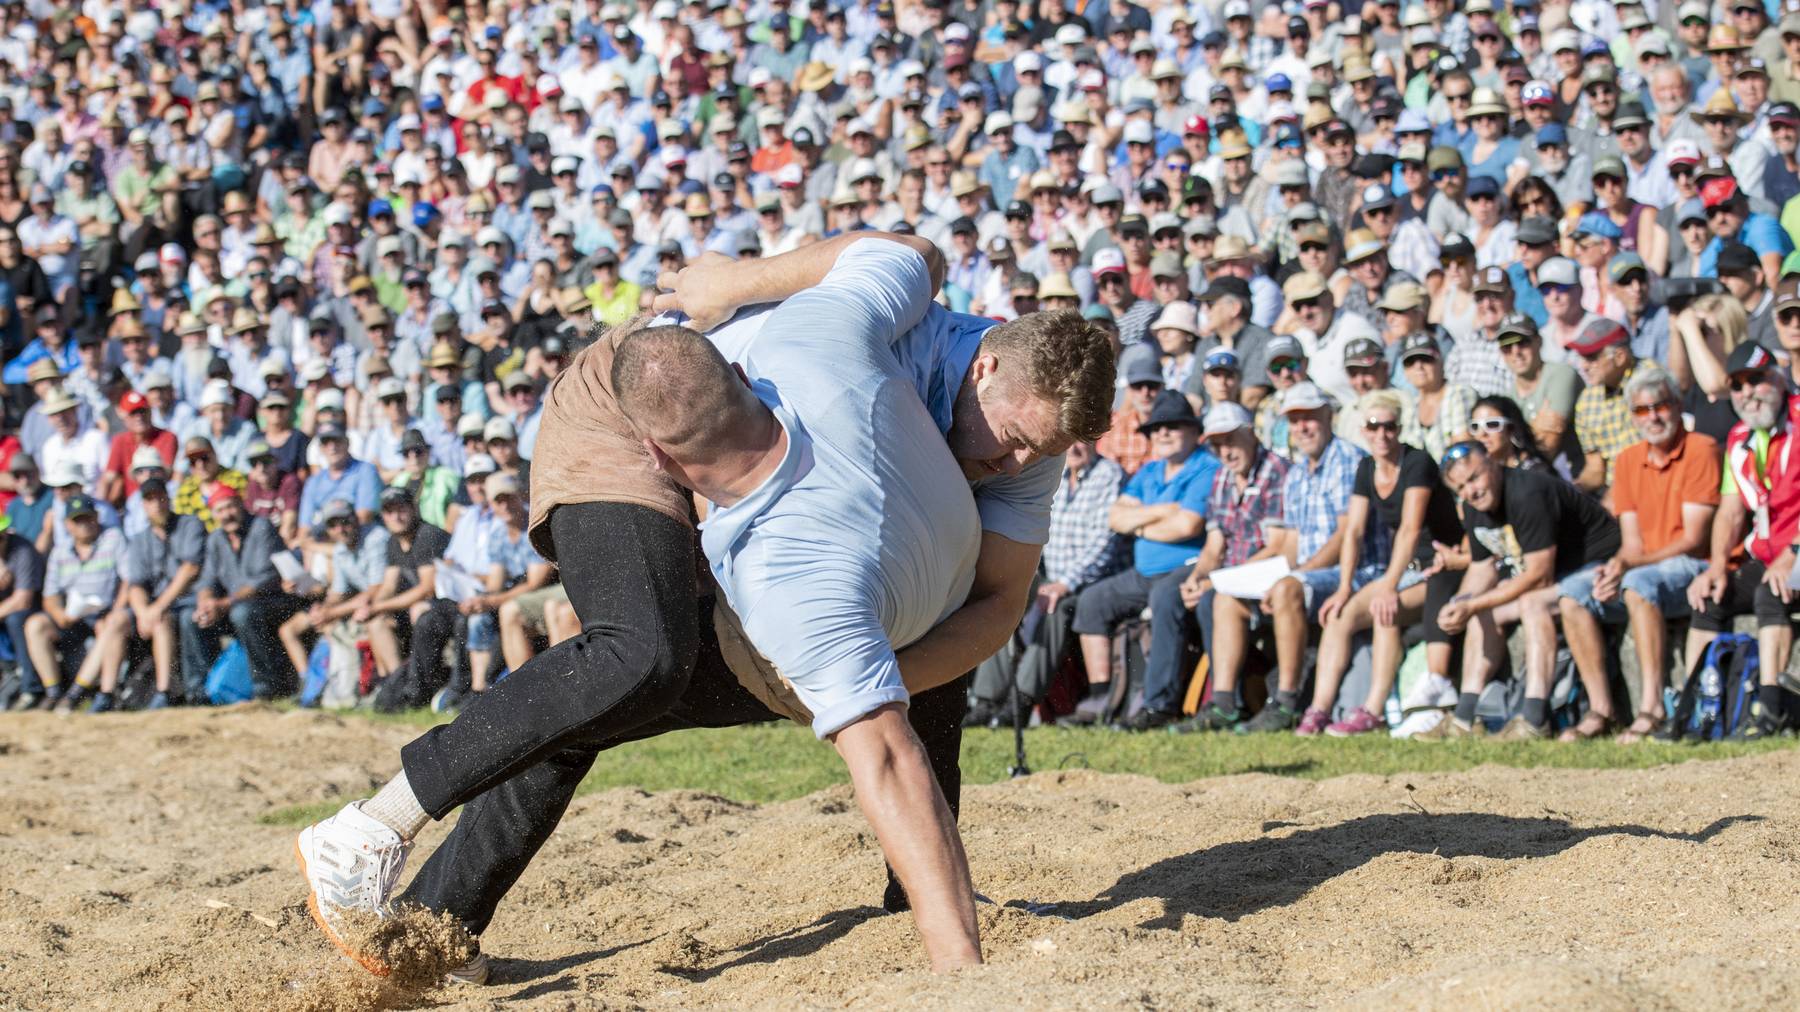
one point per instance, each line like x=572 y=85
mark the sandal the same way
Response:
x=1642 y=727
x=1593 y=725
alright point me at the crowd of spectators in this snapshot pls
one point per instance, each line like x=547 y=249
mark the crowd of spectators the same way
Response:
x=1476 y=314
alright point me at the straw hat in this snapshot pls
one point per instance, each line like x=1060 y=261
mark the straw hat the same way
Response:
x=1487 y=102
x=1720 y=105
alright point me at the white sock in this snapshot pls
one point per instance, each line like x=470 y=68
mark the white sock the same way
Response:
x=395 y=807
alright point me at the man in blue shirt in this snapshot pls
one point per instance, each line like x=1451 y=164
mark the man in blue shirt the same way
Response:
x=906 y=550
x=1730 y=219
x=342 y=477
x=1164 y=507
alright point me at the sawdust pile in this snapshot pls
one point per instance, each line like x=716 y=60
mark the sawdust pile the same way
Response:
x=139 y=878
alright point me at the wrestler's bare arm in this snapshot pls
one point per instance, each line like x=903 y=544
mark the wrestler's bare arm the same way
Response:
x=713 y=287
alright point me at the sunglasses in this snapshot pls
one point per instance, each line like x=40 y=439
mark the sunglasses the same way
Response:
x=1490 y=426
x=1747 y=381
x=1456 y=452
x=1390 y=426
x=1284 y=365
x=1646 y=410
x=1439 y=175
x=1313 y=247
x=1555 y=289
x=1147 y=385
x=1791 y=317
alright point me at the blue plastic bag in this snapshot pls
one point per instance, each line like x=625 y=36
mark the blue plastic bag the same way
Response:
x=318 y=673
x=229 y=680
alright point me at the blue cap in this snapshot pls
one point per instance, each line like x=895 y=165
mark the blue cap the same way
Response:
x=373 y=107
x=1287 y=135
x=424 y=213
x=493 y=31
x=1597 y=223
x=1594 y=47
x=1278 y=82
x=1691 y=209
x=1222 y=358
x=1483 y=186
x=1551 y=133
x=603 y=188
x=778 y=23
x=379 y=207
x=432 y=103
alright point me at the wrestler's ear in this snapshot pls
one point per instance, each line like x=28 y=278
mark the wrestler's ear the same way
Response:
x=659 y=460
x=983 y=368
x=741 y=374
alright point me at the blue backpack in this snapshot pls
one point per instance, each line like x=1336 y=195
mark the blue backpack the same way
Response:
x=1715 y=701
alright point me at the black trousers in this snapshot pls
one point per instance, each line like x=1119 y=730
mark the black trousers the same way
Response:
x=645 y=663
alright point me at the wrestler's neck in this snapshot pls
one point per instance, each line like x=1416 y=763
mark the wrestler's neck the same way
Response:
x=744 y=465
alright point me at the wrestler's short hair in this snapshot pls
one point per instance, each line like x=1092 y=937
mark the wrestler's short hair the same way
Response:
x=673 y=384
x=1064 y=359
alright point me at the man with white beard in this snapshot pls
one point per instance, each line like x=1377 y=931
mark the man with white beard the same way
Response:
x=1759 y=500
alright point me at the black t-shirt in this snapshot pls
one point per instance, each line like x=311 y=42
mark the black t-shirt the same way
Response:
x=1417 y=470
x=1711 y=418
x=1539 y=510
x=428 y=546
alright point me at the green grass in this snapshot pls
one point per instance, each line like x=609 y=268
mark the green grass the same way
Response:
x=775 y=762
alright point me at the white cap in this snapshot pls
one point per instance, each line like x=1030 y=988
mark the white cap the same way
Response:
x=1139 y=132
x=332 y=399
x=863 y=168
x=996 y=122
x=215 y=392
x=1224 y=418
x=564 y=163
x=470 y=425
x=1070 y=35
x=392 y=386
x=499 y=428
x=479 y=463
x=146 y=457
x=1303 y=396
x=64 y=472
x=1028 y=61
x=912 y=68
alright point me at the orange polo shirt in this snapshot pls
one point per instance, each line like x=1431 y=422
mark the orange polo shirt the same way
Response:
x=1656 y=492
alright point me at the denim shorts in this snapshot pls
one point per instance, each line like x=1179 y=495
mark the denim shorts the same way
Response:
x=1663 y=584
x=483 y=631
x=1319 y=584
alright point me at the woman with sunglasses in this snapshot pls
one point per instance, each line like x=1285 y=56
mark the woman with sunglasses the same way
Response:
x=1399 y=513
x=1500 y=427
x=1702 y=339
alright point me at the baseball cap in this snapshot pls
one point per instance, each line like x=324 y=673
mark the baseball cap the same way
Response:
x=1222 y=358
x=1223 y=285
x=1623 y=264
x=1597 y=223
x=1746 y=357
x=1516 y=327
x=1363 y=351
x=1737 y=258
x=1222 y=418
x=1108 y=261
x=1558 y=271
x=1302 y=396
x=1419 y=345
x=1598 y=334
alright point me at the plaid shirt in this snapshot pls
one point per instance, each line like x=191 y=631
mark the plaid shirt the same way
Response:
x=1245 y=515
x=1475 y=362
x=1123 y=443
x=1314 y=497
x=1082 y=548
x=1603 y=422
x=1262 y=50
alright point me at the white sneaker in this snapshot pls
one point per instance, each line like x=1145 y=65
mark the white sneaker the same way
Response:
x=1419 y=722
x=1430 y=692
x=350 y=861
x=474 y=972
